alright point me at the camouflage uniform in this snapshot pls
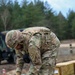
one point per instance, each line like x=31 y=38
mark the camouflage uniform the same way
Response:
x=42 y=45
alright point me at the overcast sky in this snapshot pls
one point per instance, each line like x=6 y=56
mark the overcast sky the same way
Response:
x=60 y=5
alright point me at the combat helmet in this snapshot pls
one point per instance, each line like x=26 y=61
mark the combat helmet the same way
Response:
x=13 y=37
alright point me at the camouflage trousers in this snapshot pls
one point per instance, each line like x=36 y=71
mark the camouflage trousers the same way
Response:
x=48 y=64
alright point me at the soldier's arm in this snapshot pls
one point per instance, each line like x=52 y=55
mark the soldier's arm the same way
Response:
x=54 y=40
x=34 y=51
x=19 y=62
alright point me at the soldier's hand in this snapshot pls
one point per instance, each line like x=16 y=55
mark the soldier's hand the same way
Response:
x=18 y=73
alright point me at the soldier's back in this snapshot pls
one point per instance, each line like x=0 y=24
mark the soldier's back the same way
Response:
x=34 y=30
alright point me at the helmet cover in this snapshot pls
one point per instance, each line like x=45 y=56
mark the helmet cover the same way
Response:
x=13 y=37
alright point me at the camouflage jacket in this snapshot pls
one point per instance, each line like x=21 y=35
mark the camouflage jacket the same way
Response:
x=37 y=41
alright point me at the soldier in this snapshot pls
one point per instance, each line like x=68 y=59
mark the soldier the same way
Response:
x=40 y=43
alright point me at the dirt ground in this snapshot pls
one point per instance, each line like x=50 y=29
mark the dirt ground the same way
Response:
x=7 y=67
x=10 y=68
x=64 y=53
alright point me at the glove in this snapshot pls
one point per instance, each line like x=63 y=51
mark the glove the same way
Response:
x=26 y=58
x=18 y=73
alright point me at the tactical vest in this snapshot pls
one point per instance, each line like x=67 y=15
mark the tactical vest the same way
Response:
x=45 y=32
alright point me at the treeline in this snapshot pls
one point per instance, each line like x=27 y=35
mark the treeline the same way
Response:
x=27 y=14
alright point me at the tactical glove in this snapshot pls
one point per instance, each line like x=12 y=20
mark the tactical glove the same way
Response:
x=26 y=58
x=18 y=73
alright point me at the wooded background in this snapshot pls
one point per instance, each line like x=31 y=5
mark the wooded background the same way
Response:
x=27 y=14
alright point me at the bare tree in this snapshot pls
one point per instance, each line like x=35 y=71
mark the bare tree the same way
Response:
x=5 y=16
x=3 y=2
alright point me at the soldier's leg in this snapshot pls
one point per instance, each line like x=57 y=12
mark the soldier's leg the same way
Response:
x=49 y=62
x=31 y=70
x=35 y=55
